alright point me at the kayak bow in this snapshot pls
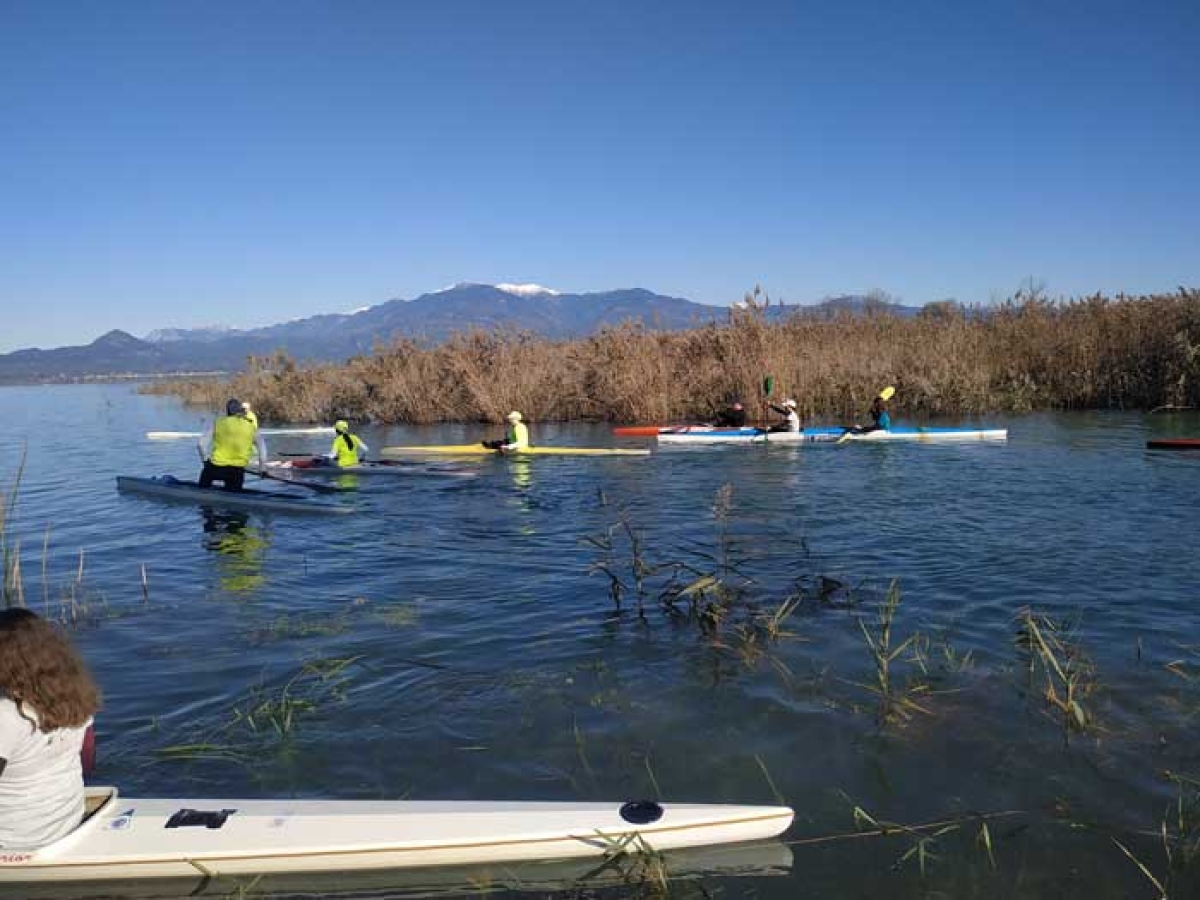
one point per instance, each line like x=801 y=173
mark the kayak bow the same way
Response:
x=1174 y=444
x=137 y=839
x=180 y=435
x=168 y=488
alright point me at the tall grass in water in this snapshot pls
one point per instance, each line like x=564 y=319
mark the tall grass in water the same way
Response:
x=1028 y=353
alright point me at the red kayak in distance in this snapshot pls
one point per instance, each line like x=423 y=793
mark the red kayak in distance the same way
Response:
x=1174 y=444
x=648 y=430
x=656 y=430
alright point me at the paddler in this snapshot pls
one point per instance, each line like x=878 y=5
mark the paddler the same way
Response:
x=516 y=436
x=733 y=417
x=881 y=419
x=348 y=449
x=228 y=446
x=791 y=418
x=47 y=700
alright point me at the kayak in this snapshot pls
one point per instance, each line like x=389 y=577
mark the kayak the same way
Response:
x=1174 y=444
x=576 y=877
x=169 y=488
x=931 y=435
x=480 y=450
x=830 y=435
x=694 y=435
x=655 y=430
x=124 y=839
x=180 y=435
x=317 y=467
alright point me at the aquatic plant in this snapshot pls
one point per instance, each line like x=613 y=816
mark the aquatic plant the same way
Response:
x=896 y=702
x=1029 y=352
x=1068 y=676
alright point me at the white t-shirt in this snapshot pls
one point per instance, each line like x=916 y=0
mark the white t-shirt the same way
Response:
x=41 y=786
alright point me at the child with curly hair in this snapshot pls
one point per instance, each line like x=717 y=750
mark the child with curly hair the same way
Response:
x=47 y=700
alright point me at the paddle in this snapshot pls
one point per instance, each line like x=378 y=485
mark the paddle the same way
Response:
x=886 y=394
x=316 y=486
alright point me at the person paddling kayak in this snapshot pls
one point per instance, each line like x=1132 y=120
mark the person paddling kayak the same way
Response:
x=516 y=436
x=47 y=701
x=881 y=419
x=348 y=449
x=791 y=418
x=228 y=446
x=733 y=417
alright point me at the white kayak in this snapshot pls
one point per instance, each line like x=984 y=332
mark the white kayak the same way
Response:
x=930 y=435
x=142 y=839
x=831 y=435
x=703 y=435
x=182 y=435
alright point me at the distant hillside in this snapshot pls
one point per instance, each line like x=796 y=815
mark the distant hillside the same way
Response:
x=430 y=317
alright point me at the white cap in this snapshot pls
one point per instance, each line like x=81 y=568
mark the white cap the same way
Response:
x=513 y=416
x=790 y=402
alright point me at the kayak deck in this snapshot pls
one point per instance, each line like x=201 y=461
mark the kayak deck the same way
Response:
x=168 y=488
x=159 y=838
x=480 y=450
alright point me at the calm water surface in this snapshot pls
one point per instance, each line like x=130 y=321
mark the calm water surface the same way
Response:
x=452 y=640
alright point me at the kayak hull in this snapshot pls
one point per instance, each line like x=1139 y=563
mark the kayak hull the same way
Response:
x=168 y=488
x=750 y=436
x=480 y=450
x=1174 y=444
x=144 y=839
x=313 y=469
x=832 y=435
x=182 y=435
x=931 y=435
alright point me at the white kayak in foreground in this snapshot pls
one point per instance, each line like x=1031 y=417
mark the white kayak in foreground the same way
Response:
x=182 y=435
x=930 y=435
x=141 y=839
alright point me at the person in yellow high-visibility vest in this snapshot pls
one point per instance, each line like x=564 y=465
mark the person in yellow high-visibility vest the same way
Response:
x=516 y=436
x=348 y=449
x=228 y=447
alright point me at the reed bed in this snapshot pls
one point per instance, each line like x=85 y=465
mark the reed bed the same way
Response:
x=1025 y=354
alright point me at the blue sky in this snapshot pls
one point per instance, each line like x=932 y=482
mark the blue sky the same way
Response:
x=188 y=163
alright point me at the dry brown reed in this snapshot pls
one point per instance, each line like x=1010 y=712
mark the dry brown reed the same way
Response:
x=1027 y=353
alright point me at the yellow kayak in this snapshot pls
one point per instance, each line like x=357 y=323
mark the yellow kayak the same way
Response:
x=479 y=449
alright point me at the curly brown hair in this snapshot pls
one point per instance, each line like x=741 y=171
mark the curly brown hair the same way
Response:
x=40 y=669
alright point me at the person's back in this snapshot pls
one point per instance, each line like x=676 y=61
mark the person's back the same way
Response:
x=347 y=447
x=43 y=726
x=41 y=784
x=734 y=417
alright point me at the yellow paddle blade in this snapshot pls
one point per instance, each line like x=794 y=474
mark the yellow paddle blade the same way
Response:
x=887 y=393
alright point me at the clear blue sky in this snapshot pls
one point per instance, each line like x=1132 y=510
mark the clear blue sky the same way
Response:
x=186 y=163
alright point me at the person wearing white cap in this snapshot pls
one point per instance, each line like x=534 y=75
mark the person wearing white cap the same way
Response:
x=791 y=418
x=516 y=436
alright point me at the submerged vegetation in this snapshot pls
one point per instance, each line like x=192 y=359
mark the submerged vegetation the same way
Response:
x=1025 y=354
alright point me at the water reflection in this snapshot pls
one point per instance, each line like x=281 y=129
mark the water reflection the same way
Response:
x=521 y=473
x=240 y=549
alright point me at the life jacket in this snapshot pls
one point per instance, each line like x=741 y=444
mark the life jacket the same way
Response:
x=346 y=446
x=518 y=433
x=233 y=441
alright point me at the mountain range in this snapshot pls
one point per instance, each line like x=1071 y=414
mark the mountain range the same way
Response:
x=431 y=317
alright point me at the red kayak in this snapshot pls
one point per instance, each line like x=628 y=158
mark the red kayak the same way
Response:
x=655 y=430
x=1174 y=444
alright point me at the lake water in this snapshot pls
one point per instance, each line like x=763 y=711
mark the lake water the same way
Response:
x=455 y=640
